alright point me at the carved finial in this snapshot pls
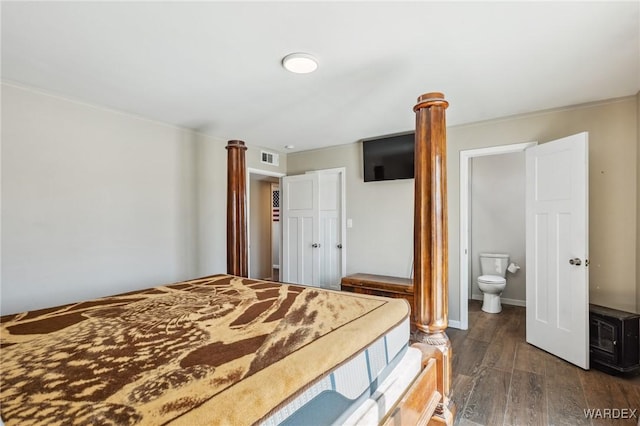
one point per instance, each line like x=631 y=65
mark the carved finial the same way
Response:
x=236 y=144
x=429 y=99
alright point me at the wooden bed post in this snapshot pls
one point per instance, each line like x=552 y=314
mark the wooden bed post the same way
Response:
x=236 y=209
x=430 y=240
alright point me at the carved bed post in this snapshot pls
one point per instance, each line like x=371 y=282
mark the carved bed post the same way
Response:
x=430 y=238
x=236 y=209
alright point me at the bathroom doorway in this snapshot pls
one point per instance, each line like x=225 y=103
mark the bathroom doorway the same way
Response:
x=492 y=218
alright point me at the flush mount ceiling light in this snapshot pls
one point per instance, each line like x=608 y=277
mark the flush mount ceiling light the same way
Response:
x=300 y=63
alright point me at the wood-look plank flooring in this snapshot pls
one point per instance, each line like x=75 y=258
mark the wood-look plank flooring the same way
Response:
x=499 y=379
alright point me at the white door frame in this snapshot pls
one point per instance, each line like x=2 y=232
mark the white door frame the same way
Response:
x=259 y=172
x=465 y=217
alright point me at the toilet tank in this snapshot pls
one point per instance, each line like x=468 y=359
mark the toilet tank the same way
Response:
x=494 y=263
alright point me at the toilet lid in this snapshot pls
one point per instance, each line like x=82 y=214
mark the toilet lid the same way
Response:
x=492 y=279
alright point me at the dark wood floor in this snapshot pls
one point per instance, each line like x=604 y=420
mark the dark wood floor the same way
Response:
x=499 y=379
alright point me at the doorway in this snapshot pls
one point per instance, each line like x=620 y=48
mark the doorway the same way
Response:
x=557 y=244
x=468 y=252
x=263 y=224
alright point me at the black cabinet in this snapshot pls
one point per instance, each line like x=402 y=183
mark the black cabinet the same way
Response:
x=614 y=345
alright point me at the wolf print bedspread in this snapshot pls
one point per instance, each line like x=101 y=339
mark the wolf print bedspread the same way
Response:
x=216 y=350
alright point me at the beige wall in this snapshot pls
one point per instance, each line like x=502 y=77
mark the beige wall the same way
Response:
x=66 y=164
x=380 y=240
x=94 y=202
x=210 y=163
x=254 y=162
x=638 y=209
x=612 y=177
x=97 y=202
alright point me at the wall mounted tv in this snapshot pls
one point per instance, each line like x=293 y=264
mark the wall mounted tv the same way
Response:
x=388 y=158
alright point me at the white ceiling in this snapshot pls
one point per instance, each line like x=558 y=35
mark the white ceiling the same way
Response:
x=215 y=66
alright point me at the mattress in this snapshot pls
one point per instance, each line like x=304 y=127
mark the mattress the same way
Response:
x=215 y=350
x=339 y=394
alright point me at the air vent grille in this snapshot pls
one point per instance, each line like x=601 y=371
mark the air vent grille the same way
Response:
x=269 y=158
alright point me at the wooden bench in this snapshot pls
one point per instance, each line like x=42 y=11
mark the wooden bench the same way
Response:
x=379 y=285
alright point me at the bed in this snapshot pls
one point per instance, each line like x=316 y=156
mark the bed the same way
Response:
x=226 y=349
x=195 y=352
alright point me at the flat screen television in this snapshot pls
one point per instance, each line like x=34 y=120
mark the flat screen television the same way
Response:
x=389 y=158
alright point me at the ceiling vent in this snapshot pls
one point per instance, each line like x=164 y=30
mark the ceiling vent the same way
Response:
x=269 y=158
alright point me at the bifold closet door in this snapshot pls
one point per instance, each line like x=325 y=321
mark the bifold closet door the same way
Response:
x=330 y=224
x=300 y=229
x=314 y=228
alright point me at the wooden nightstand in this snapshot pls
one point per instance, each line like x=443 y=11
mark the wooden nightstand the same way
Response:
x=379 y=285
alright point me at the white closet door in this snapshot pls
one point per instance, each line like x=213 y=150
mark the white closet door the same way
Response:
x=331 y=238
x=300 y=229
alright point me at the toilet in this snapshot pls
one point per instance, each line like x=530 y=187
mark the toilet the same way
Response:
x=493 y=267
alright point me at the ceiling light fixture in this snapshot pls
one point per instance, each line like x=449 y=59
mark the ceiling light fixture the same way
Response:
x=300 y=63
x=289 y=146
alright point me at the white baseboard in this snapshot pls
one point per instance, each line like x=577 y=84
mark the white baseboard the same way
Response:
x=454 y=324
x=515 y=302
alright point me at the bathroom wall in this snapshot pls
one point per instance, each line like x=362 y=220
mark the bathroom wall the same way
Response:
x=498 y=218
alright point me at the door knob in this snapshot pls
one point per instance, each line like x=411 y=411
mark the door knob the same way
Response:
x=315 y=245
x=339 y=246
x=575 y=261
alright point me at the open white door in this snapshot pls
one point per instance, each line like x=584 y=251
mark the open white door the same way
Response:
x=557 y=248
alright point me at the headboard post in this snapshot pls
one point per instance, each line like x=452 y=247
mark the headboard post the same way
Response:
x=236 y=209
x=430 y=235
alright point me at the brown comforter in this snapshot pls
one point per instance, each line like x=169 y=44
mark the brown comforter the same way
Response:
x=216 y=350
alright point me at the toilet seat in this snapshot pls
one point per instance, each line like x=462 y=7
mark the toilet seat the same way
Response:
x=491 y=279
